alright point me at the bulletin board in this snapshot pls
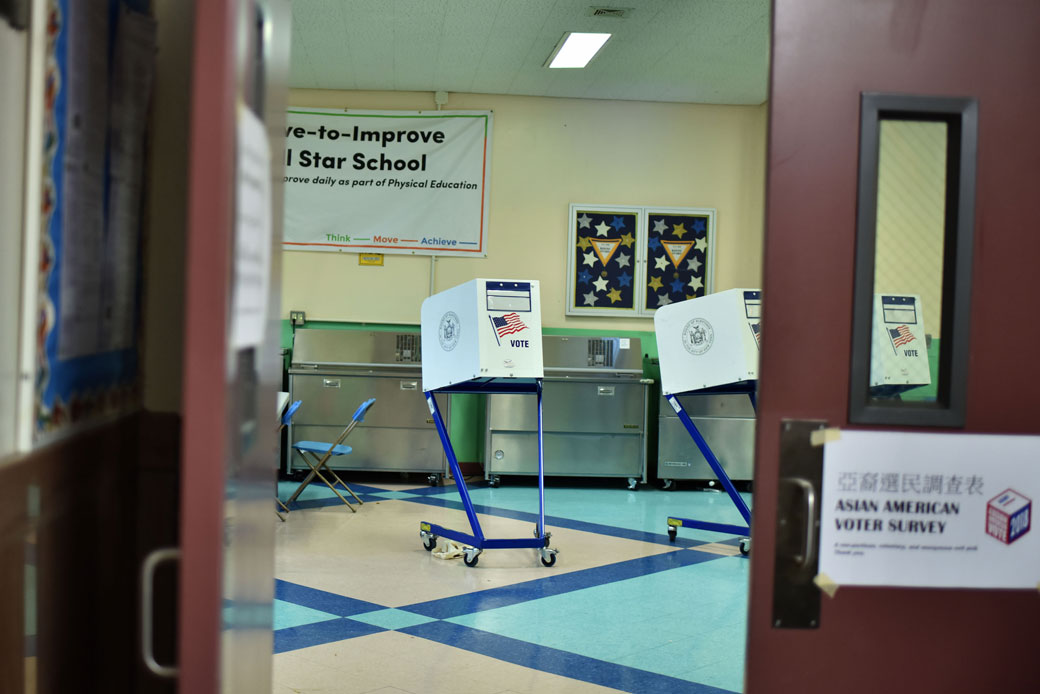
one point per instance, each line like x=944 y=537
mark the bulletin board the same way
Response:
x=630 y=260
x=100 y=67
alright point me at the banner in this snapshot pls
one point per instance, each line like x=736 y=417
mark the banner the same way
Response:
x=411 y=182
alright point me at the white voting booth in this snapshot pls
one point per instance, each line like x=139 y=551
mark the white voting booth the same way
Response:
x=898 y=351
x=483 y=329
x=484 y=336
x=710 y=344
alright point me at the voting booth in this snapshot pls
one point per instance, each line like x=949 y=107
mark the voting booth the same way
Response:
x=484 y=336
x=710 y=345
x=898 y=351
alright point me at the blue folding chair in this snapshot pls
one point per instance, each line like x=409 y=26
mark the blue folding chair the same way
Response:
x=321 y=453
x=286 y=420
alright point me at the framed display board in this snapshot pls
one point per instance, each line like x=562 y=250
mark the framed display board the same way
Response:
x=630 y=260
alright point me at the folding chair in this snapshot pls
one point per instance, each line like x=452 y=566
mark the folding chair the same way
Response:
x=309 y=450
x=286 y=420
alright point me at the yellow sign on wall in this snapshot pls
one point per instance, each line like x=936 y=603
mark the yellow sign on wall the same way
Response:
x=370 y=259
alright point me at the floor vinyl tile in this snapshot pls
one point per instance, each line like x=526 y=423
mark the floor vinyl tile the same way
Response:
x=361 y=607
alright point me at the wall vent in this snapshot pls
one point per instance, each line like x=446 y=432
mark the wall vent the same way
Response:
x=409 y=349
x=601 y=352
x=615 y=12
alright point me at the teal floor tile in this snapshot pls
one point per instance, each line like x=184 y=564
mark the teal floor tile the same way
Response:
x=286 y=615
x=392 y=618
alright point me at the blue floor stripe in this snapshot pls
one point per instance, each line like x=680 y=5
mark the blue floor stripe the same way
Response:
x=569 y=523
x=556 y=584
x=319 y=633
x=321 y=600
x=556 y=661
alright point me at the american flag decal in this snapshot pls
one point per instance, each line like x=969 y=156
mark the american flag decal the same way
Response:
x=756 y=329
x=507 y=324
x=901 y=336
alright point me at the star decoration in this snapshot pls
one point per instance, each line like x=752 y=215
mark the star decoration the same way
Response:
x=694 y=263
x=679 y=229
x=624 y=280
x=590 y=259
x=677 y=286
x=583 y=221
x=627 y=240
x=660 y=263
x=660 y=227
x=618 y=223
x=601 y=284
x=655 y=283
x=622 y=260
x=663 y=300
x=698 y=224
x=584 y=277
x=696 y=283
x=700 y=244
x=584 y=243
x=654 y=243
x=590 y=299
x=602 y=229
x=614 y=295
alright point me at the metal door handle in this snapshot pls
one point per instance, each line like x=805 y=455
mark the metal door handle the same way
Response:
x=409 y=385
x=148 y=567
x=330 y=382
x=604 y=390
x=808 y=557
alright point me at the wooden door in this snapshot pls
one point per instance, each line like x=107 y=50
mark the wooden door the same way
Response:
x=825 y=54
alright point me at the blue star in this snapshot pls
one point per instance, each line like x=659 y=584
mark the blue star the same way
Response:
x=654 y=243
x=584 y=277
x=698 y=224
x=624 y=280
x=618 y=223
x=677 y=286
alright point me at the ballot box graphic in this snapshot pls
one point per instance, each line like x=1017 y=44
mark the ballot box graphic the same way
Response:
x=898 y=354
x=482 y=329
x=1008 y=516
x=709 y=341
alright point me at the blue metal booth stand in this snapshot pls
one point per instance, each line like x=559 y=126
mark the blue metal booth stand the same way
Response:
x=474 y=541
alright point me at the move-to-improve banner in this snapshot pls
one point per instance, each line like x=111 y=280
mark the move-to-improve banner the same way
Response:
x=390 y=181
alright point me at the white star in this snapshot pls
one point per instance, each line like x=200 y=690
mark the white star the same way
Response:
x=663 y=300
x=694 y=263
x=701 y=244
x=601 y=284
x=590 y=299
x=590 y=259
x=622 y=260
x=660 y=227
x=696 y=283
x=602 y=228
x=583 y=221
x=661 y=263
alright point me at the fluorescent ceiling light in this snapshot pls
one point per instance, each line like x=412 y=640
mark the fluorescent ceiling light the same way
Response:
x=576 y=49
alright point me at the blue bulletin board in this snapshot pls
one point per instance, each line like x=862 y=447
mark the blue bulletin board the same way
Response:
x=629 y=261
x=100 y=65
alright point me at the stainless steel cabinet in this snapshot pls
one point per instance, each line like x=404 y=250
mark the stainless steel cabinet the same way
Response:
x=727 y=423
x=334 y=371
x=594 y=414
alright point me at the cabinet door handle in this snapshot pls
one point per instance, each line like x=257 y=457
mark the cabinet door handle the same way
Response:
x=604 y=390
x=409 y=385
x=330 y=382
x=148 y=567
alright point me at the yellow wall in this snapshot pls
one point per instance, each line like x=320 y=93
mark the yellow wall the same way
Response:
x=547 y=153
x=911 y=213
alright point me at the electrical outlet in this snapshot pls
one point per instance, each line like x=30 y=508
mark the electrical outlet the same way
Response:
x=297 y=318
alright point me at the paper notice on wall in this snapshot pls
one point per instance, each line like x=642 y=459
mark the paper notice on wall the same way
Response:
x=930 y=510
x=252 y=264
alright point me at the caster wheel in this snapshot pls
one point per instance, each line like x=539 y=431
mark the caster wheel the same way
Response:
x=429 y=542
x=434 y=480
x=494 y=482
x=471 y=559
x=668 y=485
x=745 y=546
x=550 y=561
x=633 y=484
x=672 y=533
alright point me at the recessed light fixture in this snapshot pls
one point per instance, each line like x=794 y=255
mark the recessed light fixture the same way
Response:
x=576 y=49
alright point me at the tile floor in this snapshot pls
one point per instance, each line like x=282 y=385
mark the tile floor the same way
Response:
x=362 y=607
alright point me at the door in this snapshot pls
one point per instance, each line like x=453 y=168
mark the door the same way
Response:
x=825 y=54
x=232 y=364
